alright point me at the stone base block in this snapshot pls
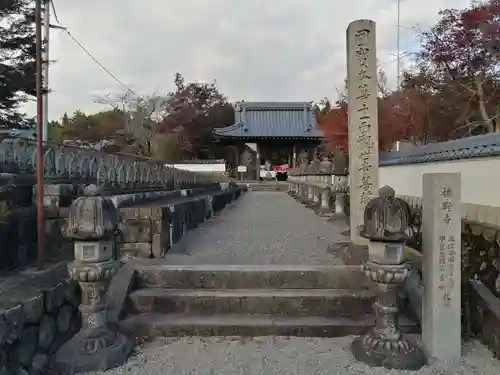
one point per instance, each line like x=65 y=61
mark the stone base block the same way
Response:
x=354 y=255
x=324 y=211
x=337 y=248
x=399 y=354
x=312 y=205
x=351 y=255
x=134 y=250
x=337 y=218
x=71 y=359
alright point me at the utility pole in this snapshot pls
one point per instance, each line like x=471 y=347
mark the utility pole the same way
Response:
x=398 y=47
x=40 y=225
x=45 y=58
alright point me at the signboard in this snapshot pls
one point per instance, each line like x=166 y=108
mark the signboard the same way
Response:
x=242 y=168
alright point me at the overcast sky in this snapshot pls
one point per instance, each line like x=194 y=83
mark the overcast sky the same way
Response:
x=256 y=50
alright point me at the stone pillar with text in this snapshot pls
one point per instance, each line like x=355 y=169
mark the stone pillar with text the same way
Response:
x=441 y=265
x=363 y=121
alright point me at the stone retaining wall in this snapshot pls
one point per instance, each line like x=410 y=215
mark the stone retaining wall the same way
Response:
x=480 y=267
x=36 y=318
x=150 y=231
x=18 y=238
x=18 y=230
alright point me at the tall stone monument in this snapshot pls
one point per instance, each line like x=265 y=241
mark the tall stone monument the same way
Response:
x=363 y=121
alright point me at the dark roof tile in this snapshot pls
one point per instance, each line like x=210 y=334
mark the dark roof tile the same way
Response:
x=272 y=120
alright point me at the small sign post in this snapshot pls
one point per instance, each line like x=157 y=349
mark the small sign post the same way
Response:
x=242 y=169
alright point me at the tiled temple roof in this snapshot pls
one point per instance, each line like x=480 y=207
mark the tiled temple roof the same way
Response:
x=272 y=120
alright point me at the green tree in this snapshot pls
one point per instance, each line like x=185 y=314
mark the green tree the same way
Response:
x=166 y=148
x=55 y=135
x=102 y=128
x=17 y=61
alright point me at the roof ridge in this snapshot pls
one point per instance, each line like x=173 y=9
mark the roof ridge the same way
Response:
x=229 y=128
x=275 y=105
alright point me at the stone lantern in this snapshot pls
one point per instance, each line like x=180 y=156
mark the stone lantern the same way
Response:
x=325 y=170
x=340 y=184
x=92 y=225
x=387 y=227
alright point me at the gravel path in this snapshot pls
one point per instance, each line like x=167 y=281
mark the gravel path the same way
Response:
x=261 y=228
x=279 y=356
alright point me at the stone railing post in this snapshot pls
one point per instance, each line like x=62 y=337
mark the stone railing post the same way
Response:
x=310 y=193
x=387 y=227
x=93 y=224
x=324 y=170
x=325 y=208
x=302 y=195
x=316 y=196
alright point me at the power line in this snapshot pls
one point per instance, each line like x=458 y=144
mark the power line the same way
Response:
x=100 y=65
x=84 y=49
x=54 y=11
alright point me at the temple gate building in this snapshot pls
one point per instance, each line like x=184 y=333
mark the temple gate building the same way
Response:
x=271 y=133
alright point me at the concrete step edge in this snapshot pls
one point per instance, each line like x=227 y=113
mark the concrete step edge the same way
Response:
x=159 y=265
x=146 y=326
x=254 y=293
x=232 y=319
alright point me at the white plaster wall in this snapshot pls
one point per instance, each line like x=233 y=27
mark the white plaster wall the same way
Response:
x=480 y=178
x=201 y=167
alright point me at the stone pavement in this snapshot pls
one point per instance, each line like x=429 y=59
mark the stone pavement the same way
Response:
x=261 y=228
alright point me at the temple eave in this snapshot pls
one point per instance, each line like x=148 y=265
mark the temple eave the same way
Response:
x=242 y=137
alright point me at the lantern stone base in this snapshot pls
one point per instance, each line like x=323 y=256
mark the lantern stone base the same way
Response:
x=324 y=211
x=337 y=217
x=351 y=254
x=338 y=247
x=399 y=354
x=307 y=202
x=313 y=205
x=346 y=233
x=100 y=350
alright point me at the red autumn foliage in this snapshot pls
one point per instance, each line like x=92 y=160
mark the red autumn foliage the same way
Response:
x=334 y=123
x=459 y=57
x=454 y=93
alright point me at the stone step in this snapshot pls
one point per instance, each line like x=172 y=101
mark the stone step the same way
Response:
x=293 y=302
x=148 y=326
x=278 y=189
x=250 y=276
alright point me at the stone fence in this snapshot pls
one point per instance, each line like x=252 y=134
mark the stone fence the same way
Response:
x=127 y=180
x=324 y=187
x=67 y=164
